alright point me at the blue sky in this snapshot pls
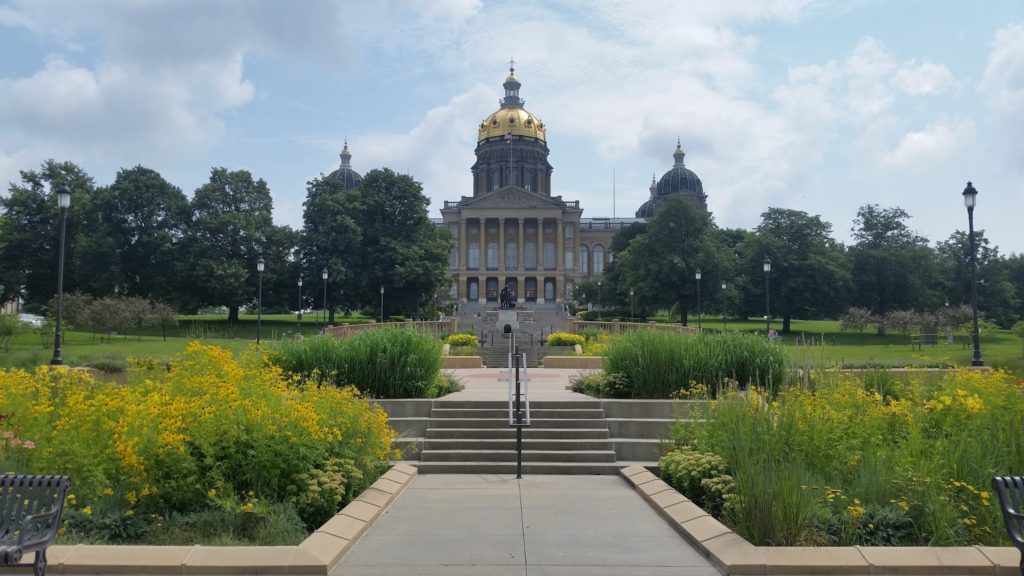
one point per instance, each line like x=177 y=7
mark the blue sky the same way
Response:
x=812 y=105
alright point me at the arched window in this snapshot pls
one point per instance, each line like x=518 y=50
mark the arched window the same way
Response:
x=584 y=259
x=598 y=259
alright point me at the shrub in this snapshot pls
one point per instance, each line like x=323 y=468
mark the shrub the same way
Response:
x=210 y=432
x=108 y=362
x=601 y=385
x=686 y=470
x=10 y=327
x=462 y=339
x=659 y=364
x=382 y=363
x=565 y=339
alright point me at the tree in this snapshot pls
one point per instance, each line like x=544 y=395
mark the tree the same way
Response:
x=659 y=264
x=892 y=267
x=809 y=276
x=30 y=236
x=148 y=219
x=398 y=246
x=997 y=296
x=231 y=223
x=331 y=237
x=1018 y=329
x=856 y=319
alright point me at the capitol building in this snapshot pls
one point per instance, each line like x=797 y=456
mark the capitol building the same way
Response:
x=512 y=230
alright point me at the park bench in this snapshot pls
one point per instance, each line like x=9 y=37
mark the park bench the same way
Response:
x=924 y=340
x=30 y=514
x=1011 y=500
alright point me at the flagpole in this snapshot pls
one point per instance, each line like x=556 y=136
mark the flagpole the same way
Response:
x=613 y=192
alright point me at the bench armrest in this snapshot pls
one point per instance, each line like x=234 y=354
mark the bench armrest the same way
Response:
x=38 y=529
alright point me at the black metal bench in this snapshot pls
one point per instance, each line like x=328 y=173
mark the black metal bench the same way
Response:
x=30 y=512
x=1011 y=500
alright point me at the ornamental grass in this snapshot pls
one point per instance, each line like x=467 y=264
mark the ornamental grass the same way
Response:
x=207 y=432
x=661 y=364
x=849 y=462
x=382 y=363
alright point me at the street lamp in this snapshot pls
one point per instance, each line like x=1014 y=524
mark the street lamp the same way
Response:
x=324 y=276
x=970 y=198
x=724 y=325
x=299 y=314
x=63 y=201
x=599 y=298
x=697 y=275
x=259 y=298
x=381 y=303
x=767 y=266
x=632 y=319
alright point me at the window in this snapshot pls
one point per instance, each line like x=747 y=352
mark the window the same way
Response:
x=568 y=258
x=598 y=259
x=584 y=260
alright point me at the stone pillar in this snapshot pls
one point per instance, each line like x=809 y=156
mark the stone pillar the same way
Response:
x=559 y=245
x=501 y=244
x=520 y=241
x=463 y=245
x=540 y=248
x=521 y=290
x=483 y=255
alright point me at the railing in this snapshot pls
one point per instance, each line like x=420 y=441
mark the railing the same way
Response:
x=432 y=327
x=617 y=327
x=518 y=398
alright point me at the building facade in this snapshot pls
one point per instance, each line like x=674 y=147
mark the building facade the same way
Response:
x=512 y=232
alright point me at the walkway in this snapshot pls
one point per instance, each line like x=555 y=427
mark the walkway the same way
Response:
x=540 y=525
x=491 y=384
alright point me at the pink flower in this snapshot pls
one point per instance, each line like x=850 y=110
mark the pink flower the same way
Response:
x=29 y=445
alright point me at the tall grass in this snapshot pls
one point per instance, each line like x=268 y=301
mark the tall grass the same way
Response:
x=868 y=459
x=659 y=364
x=384 y=363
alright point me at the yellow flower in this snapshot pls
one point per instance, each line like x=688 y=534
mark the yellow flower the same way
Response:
x=87 y=510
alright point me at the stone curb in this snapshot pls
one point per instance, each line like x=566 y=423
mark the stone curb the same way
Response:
x=731 y=554
x=317 y=554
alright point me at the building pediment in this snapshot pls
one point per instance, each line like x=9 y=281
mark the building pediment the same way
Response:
x=512 y=197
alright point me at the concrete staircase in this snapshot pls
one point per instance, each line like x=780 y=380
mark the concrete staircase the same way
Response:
x=565 y=437
x=497 y=356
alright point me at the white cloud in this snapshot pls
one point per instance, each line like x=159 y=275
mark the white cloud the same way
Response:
x=1003 y=88
x=926 y=78
x=936 y=143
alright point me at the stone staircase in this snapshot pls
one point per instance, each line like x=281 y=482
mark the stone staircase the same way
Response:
x=497 y=356
x=565 y=437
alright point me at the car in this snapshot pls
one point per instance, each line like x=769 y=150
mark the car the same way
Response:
x=31 y=319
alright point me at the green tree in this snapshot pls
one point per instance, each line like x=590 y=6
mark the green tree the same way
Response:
x=400 y=248
x=891 y=266
x=809 y=276
x=660 y=263
x=148 y=219
x=331 y=238
x=229 y=230
x=30 y=236
x=997 y=295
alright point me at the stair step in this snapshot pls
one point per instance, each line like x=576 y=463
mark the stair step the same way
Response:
x=575 y=423
x=509 y=443
x=500 y=404
x=581 y=468
x=498 y=433
x=510 y=456
x=545 y=413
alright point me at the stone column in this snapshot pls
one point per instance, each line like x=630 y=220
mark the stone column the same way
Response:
x=463 y=244
x=540 y=249
x=483 y=254
x=501 y=244
x=559 y=245
x=520 y=241
x=521 y=289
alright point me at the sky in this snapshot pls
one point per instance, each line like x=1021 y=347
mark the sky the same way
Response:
x=814 y=105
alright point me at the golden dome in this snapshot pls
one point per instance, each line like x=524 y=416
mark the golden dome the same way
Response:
x=515 y=121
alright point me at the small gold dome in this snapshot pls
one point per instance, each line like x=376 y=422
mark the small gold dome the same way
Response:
x=515 y=121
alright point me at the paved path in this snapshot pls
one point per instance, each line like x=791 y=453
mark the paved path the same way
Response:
x=491 y=384
x=538 y=526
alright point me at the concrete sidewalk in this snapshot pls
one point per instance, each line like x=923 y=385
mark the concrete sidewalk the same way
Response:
x=540 y=525
x=492 y=384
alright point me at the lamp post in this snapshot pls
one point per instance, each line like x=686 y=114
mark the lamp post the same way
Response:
x=298 y=315
x=381 y=303
x=599 y=298
x=697 y=275
x=767 y=266
x=970 y=198
x=324 y=276
x=259 y=297
x=632 y=319
x=724 y=325
x=63 y=201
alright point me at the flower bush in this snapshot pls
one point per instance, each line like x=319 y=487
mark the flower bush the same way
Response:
x=207 y=432
x=842 y=463
x=565 y=339
x=462 y=339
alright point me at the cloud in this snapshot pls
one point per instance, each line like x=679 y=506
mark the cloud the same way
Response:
x=938 y=142
x=926 y=78
x=1003 y=89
